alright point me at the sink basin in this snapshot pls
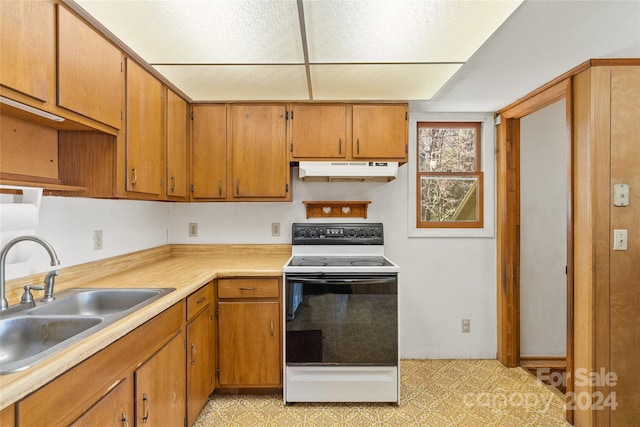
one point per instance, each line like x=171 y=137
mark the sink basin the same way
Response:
x=25 y=339
x=98 y=302
x=33 y=334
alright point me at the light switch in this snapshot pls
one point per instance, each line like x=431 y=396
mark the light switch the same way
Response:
x=619 y=240
x=621 y=195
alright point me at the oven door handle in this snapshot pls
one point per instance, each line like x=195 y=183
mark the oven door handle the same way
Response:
x=345 y=281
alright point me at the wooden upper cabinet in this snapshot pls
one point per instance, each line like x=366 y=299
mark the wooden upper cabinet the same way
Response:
x=90 y=78
x=27 y=47
x=318 y=131
x=380 y=132
x=209 y=151
x=259 y=162
x=177 y=177
x=145 y=131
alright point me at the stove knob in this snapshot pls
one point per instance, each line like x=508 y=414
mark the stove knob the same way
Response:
x=351 y=232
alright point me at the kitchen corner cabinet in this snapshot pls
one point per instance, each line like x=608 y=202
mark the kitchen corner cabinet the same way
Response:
x=249 y=332
x=380 y=132
x=145 y=132
x=318 y=131
x=209 y=152
x=90 y=71
x=200 y=350
x=149 y=360
x=177 y=172
x=159 y=384
x=258 y=157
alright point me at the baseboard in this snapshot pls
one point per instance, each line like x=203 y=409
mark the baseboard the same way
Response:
x=535 y=362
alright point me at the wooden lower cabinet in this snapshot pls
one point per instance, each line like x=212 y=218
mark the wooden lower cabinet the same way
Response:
x=152 y=353
x=8 y=416
x=200 y=363
x=249 y=337
x=113 y=410
x=158 y=385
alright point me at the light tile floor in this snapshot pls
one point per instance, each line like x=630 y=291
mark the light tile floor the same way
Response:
x=449 y=393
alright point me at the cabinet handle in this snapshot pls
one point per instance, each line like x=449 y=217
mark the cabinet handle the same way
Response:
x=271 y=327
x=201 y=300
x=358 y=146
x=340 y=146
x=237 y=187
x=220 y=188
x=248 y=289
x=145 y=402
x=134 y=179
x=173 y=183
x=193 y=353
x=125 y=420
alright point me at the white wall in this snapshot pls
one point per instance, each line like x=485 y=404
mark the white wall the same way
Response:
x=68 y=224
x=442 y=280
x=543 y=232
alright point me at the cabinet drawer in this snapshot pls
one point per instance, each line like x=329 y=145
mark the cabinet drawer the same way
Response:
x=198 y=301
x=248 y=288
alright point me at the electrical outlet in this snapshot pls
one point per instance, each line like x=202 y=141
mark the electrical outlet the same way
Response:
x=275 y=229
x=193 y=229
x=97 y=240
x=466 y=326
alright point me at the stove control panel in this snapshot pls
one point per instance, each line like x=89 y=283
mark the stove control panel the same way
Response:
x=337 y=234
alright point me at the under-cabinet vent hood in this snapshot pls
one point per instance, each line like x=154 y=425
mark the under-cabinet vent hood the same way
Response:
x=348 y=171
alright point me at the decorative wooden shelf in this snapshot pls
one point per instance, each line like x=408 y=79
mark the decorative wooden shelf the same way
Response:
x=324 y=209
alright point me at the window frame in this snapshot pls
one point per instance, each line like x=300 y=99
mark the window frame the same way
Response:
x=478 y=174
x=487 y=160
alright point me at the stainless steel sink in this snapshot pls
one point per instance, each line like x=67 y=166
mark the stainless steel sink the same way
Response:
x=98 y=302
x=25 y=339
x=36 y=333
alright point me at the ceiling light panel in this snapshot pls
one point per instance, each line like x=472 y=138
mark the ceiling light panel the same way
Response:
x=400 y=30
x=391 y=82
x=239 y=82
x=204 y=32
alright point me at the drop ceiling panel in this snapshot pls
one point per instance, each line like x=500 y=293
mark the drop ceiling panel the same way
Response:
x=400 y=31
x=379 y=82
x=239 y=82
x=204 y=32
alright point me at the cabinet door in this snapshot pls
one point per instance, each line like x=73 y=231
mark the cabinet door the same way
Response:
x=160 y=385
x=27 y=43
x=209 y=152
x=90 y=79
x=176 y=178
x=113 y=410
x=379 y=132
x=145 y=136
x=259 y=165
x=200 y=382
x=249 y=344
x=318 y=131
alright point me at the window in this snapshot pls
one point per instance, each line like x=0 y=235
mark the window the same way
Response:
x=449 y=177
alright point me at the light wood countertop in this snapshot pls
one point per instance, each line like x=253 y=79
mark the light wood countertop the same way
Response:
x=184 y=267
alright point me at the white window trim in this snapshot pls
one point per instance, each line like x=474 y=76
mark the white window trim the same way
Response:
x=487 y=161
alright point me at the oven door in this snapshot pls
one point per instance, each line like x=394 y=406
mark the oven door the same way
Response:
x=342 y=319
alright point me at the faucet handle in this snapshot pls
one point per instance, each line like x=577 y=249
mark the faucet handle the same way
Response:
x=27 y=296
x=49 y=281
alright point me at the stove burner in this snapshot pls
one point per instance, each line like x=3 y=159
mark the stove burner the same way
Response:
x=313 y=258
x=313 y=263
x=367 y=263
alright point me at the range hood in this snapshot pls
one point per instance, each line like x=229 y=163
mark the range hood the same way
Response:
x=340 y=171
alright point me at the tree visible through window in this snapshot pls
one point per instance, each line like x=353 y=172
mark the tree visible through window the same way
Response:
x=449 y=179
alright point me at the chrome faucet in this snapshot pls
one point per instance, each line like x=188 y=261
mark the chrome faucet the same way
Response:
x=48 y=280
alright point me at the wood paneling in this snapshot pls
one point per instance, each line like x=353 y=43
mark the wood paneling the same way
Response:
x=28 y=149
x=624 y=328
